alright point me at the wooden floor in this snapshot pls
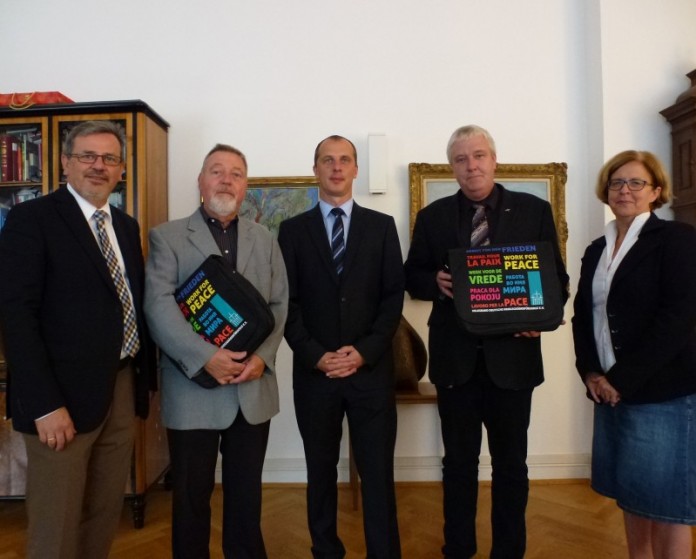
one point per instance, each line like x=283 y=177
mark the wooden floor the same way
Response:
x=565 y=520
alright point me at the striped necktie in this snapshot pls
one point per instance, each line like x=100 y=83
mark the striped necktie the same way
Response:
x=338 y=245
x=131 y=343
x=479 y=227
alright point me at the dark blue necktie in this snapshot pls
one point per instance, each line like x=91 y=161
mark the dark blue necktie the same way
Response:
x=338 y=245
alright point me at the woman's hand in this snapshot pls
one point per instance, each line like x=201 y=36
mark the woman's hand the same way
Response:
x=601 y=390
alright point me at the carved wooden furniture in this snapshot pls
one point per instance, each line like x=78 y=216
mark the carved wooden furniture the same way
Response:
x=682 y=118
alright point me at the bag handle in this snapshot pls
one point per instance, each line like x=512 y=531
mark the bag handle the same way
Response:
x=22 y=105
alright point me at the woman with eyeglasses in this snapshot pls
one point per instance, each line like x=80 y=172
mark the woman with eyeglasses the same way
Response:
x=635 y=347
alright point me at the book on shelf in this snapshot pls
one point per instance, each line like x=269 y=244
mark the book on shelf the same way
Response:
x=7 y=157
x=17 y=160
x=20 y=157
x=31 y=161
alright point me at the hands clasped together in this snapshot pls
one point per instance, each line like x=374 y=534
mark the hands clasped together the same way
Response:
x=341 y=363
x=234 y=367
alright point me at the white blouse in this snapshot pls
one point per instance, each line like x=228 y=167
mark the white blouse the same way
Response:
x=601 y=283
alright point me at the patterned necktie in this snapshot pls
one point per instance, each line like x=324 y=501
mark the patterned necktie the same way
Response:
x=479 y=227
x=131 y=343
x=338 y=245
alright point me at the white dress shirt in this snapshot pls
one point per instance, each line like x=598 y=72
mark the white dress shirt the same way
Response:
x=601 y=284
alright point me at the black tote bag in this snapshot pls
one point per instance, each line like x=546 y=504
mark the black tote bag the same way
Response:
x=504 y=289
x=225 y=309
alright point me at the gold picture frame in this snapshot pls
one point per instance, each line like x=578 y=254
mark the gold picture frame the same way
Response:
x=431 y=181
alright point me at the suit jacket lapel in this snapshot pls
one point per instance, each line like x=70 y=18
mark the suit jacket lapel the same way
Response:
x=68 y=208
x=200 y=236
x=643 y=246
x=245 y=244
x=314 y=222
x=128 y=251
x=356 y=233
x=506 y=217
x=448 y=224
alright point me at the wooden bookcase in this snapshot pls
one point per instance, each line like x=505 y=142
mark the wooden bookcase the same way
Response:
x=682 y=118
x=30 y=146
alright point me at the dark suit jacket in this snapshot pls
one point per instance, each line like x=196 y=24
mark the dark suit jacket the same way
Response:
x=61 y=315
x=651 y=308
x=362 y=308
x=513 y=363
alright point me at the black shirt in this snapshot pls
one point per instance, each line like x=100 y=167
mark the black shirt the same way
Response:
x=226 y=239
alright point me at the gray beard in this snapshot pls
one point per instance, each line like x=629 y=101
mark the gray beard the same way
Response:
x=223 y=206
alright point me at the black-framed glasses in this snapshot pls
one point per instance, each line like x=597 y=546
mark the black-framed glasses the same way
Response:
x=107 y=158
x=633 y=184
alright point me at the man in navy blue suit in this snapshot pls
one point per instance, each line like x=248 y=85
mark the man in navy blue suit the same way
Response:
x=346 y=294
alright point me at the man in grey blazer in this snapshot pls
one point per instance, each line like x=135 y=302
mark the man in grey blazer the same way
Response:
x=235 y=416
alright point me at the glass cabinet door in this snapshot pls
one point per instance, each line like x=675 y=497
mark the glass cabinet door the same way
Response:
x=23 y=162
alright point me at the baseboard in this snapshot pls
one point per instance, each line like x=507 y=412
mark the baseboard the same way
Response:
x=429 y=468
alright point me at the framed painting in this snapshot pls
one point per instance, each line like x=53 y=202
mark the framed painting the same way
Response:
x=429 y=182
x=269 y=201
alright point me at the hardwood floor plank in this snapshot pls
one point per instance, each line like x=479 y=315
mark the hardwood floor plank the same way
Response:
x=564 y=520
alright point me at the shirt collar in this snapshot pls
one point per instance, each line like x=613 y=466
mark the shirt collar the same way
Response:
x=87 y=208
x=216 y=222
x=326 y=208
x=490 y=201
x=610 y=231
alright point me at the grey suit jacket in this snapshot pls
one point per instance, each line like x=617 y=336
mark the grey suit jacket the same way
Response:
x=177 y=248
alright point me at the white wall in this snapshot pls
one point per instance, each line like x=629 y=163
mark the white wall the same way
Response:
x=553 y=80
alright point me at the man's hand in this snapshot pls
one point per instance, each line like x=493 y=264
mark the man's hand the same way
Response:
x=226 y=365
x=233 y=367
x=253 y=369
x=444 y=283
x=341 y=363
x=56 y=429
x=528 y=334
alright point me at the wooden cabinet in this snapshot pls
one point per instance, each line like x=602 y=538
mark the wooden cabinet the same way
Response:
x=30 y=147
x=682 y=118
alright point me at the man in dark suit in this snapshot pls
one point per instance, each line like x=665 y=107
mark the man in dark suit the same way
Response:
x=76 y=346
x=346 y=295
x=480 y=380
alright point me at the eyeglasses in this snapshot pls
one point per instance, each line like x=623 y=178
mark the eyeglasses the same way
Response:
x=107 y=158
x=633 y=184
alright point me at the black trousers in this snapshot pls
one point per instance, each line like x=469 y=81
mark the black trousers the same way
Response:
x=372 y=422
x=193 y=460
x=505 y=413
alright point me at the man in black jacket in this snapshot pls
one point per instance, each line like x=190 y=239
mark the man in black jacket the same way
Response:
x=346 y=294
x=79 y=361
x=480 y=380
